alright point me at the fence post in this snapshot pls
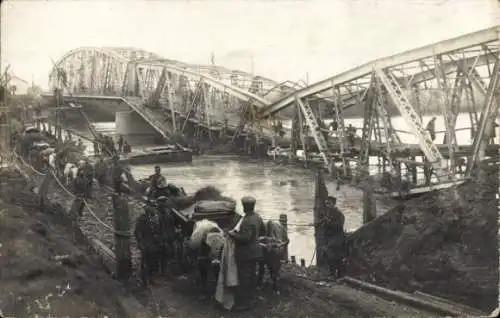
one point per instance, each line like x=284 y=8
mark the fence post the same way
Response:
x=284 y=222
x=122 y=238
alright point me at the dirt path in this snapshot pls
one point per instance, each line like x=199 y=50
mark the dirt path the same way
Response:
x=180 y=297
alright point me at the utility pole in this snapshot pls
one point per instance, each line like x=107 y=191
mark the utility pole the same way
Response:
x=5 y=128
x=252 y=65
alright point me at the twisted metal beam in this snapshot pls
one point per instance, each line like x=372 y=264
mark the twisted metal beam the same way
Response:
x=446 y=46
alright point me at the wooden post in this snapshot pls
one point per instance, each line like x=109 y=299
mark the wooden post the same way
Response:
x=302 y=262
x=122 y=238
x=369 y=204
x=319 y=215
x=284 y=222
x=293 y=259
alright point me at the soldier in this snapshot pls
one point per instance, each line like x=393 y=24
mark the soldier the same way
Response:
x=96 y=148
x=147 y=237
x=334 y=232
x=167 y=233
x=126 y=148
x=80 y=190
x=100 y=171
x=431 y=128
x=248 y=252
x=88 y=172
x=80 y=144
x=156 y=180
x=351 y=135
x=120 y=143
x=116 y=176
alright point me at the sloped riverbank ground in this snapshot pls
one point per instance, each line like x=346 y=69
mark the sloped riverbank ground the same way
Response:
x=43 y=272
x=443 y=243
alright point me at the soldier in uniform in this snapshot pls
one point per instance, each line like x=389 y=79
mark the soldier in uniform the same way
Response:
x=126 y=148
x=157 y=180
x=167 y=233
x=120 y=143
x=96 y=148
x=88 y=172
x=147 y=237
x=431 y=128
x=334 y=232
x=80 y=190
x=248 y=252
x=100 y=171
x=116 y=175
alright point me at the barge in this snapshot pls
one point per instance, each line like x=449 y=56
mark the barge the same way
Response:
x=161 y=154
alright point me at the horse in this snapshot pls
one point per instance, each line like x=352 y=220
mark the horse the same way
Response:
x=273 y=246
x=206 y=242
x=52 y=161
x=70 y=172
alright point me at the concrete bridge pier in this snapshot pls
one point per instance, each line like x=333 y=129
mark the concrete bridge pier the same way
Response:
x=135 y=129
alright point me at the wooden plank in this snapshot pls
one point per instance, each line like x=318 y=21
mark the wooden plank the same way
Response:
x=461 y=307
x=441 y=308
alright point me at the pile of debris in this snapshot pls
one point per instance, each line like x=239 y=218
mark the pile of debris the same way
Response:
x=443 y=243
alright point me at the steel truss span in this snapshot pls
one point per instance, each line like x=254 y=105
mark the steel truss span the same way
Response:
x=210 y=93
x=452 y=76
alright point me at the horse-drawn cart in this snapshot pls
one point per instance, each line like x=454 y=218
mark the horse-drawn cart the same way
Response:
x=186 y=211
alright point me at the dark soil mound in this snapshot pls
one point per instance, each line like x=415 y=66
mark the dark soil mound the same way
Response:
x=444 y=243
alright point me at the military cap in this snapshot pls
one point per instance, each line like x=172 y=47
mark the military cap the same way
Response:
x=248 y=200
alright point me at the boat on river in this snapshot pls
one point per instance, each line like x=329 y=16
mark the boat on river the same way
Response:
x=161 y=154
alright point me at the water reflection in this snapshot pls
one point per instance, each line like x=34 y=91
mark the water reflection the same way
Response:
x=278 y=190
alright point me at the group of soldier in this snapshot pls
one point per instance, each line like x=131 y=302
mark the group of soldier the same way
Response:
x=105 y=145
x=156 y=232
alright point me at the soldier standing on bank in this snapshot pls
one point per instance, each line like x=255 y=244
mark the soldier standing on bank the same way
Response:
x=100 y=171
x=120 y=143
x=116 y=176
x=334 y=232
x=167 y=234
x=248 y=252
x=88 y=172
x=147 y=237
x=80 y=191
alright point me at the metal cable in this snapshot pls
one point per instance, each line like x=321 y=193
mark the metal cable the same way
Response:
x=73 y=196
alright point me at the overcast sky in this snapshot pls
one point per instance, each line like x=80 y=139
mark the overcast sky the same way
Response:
x=287 y=38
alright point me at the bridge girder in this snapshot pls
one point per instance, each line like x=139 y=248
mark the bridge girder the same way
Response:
x=407 y=78
x=131 y=72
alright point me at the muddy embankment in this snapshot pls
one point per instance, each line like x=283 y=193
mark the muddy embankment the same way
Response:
x=46 y=267
x=444 y=243
x=48 y=270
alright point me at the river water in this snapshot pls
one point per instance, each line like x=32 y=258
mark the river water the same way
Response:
x=278 y=189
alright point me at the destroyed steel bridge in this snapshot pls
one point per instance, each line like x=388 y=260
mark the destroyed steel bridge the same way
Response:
x=464 y=71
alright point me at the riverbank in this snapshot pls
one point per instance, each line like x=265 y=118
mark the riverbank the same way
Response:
x=43 y=271
x=173 y=296
x=444 y=243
